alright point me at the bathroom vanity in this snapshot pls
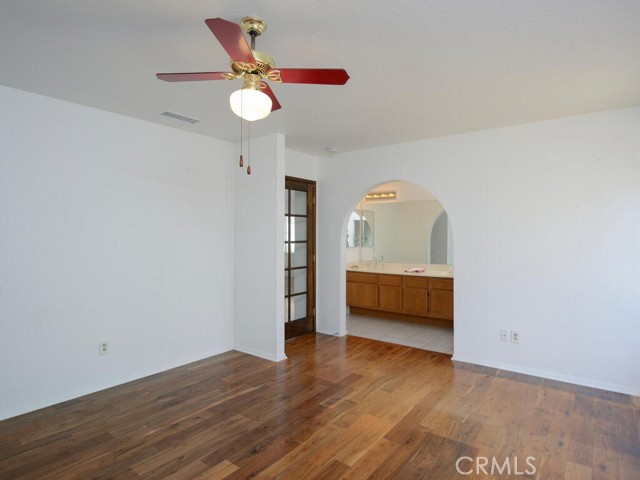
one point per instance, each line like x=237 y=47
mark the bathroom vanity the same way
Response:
x=401 y=295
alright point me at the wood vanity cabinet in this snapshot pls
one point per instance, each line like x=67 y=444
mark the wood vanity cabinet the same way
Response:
x=390 y=293
x=362 y=289
x=441 y=298
x=402 y=295
x=416 y=295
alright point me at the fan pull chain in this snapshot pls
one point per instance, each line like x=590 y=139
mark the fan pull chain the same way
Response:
x=249 y=148
x=241 y=142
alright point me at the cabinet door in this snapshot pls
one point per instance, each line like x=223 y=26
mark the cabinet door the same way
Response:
x=391 y=298
x=416 y=301
x=350 y=293
x=441 y=304
x=363 y=295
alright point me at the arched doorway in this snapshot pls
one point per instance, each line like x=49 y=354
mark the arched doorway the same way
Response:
x=395 y=290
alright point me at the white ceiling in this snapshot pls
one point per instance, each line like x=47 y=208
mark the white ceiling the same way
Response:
x=419 y=68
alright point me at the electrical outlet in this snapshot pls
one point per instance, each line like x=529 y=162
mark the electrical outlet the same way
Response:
x=504 y=335
x=104 y=347
x=515 y=337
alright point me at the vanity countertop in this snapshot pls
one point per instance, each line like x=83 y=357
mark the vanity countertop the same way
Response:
x=439 y=271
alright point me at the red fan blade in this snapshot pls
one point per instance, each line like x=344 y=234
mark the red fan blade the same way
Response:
x=189 y=77
x=275 y=103
x=324 y=76
x=232 y=39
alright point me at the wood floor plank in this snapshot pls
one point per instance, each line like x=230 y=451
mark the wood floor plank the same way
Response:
x=575 y=471
x=300 y=456
x=354 y=441
x=336 y=408
x=335 y=469
x=217 y=472
x=401 y=454
x=371 y=460
x=181 y=448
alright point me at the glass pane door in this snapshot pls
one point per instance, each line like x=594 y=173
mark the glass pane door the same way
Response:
x=299 y=257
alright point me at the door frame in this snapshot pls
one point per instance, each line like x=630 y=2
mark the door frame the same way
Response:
x=302 y=328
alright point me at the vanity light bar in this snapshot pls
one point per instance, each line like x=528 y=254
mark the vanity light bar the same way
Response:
x=380 y=196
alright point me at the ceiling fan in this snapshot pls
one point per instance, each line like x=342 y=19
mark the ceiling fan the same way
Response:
x=256 y=99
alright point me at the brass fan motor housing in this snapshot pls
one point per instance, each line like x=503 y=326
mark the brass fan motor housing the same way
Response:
x=263 y=64
x=264 y=67
x=254 y=26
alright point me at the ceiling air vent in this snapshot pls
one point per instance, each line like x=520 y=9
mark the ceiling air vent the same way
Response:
x=182 y=118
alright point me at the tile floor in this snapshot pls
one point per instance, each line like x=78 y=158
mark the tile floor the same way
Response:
x=426 y=337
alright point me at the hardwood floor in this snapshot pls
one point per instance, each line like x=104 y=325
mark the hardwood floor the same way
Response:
x=347 y=408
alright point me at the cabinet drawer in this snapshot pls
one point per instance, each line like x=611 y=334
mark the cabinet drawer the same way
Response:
x=416 y=282
x=362 y=277
x=395 y=280
x=441 y=283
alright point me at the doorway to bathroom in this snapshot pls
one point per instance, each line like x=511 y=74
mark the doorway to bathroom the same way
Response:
x=299 y=257
x=399 y=268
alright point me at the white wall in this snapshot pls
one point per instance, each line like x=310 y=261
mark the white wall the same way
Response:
x=111 y=228
x=546 y=225
x=259 y=247
x=450 y=255
x=300 y=165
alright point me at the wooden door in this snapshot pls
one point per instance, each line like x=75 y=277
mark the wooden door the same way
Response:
x=299 y=257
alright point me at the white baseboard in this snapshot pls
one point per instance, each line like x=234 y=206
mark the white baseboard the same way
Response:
x=341 y=333
x=586 y=382
x=260 y=353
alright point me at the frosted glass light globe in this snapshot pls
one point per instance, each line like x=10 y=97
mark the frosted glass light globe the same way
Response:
x=250 y=104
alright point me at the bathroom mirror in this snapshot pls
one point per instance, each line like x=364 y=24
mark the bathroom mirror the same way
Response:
x=360 y=229
x=412 y=228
